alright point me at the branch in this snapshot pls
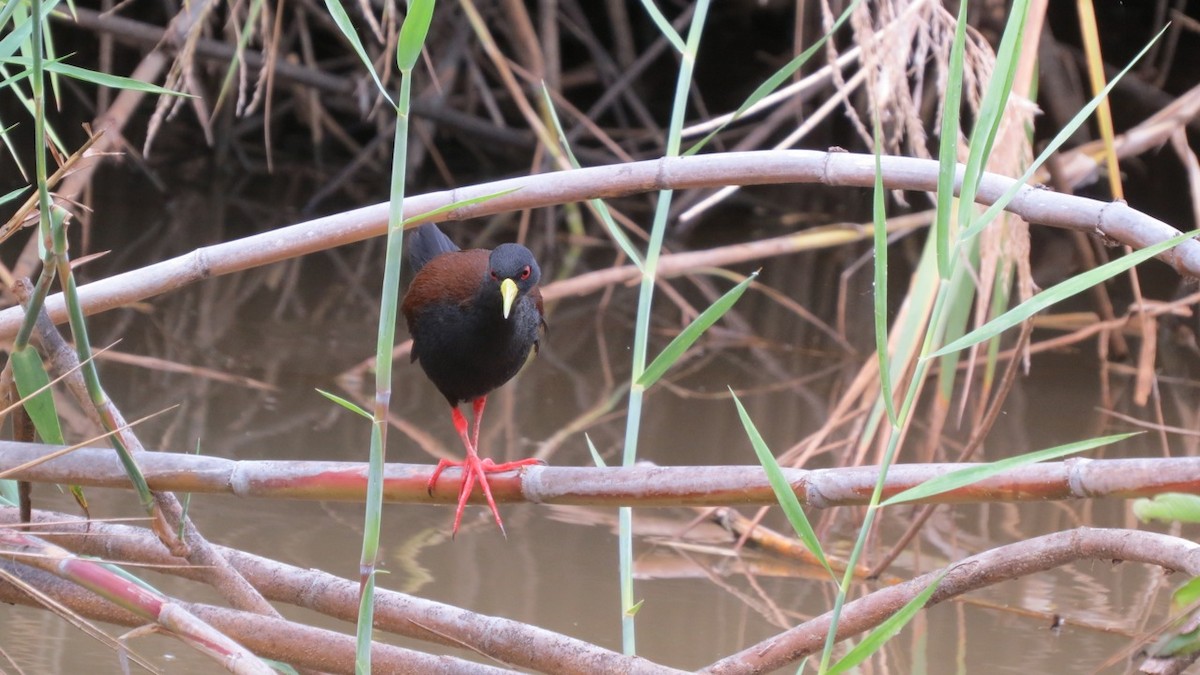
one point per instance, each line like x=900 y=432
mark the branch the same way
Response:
x=529 y=647
x=507 y=641
x=146 y=604
x=985 y=569
x=630 y=486
x=1114 y=220
x=269 y=637
x=172 y=524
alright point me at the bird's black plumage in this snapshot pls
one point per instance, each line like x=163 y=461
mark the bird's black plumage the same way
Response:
x=454 y=309
x=474 y=316
x=426 y=243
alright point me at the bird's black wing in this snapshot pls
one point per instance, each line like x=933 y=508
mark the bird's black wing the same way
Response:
x=426 y=243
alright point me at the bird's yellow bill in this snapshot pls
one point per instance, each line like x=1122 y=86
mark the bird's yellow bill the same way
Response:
x=508 y=290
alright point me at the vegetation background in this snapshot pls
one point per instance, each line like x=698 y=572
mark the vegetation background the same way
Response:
x=283 y=125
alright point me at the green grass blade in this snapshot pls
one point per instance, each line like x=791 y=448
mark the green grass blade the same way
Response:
x=1002 y=292
x=689 y=335
x=6 y=12
x=641 y=332
x=995 y=99
x=9 y=145
x=1060 y=292
x=342 y=19
x=347 y=404
x=1057 y=142
x=625 y=567
x=991 y=109
x=617 y=234
x=280 y=667
x=12 y=79
x=974 y=474
x=110 y=81
x=389 y=301
x=8 y=493
x=783 y=491
x=186 y=502
x=948 y=142
x=239 y=52
x=596 y=458
x=1176 y=645
x=1168 y=507
x=22 y=28
x=428 y=215
x=31 y=377
x=1186 y=594
x=14 y=88
x=881 y=282
x=412 y=34
x=50 y=54
x=668 y=31
x=13 y=195
x=885 y=631
x=956 y=314
x=10 y=43
x=366 y=606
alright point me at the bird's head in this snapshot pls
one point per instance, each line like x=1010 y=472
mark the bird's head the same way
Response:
x=513 y=269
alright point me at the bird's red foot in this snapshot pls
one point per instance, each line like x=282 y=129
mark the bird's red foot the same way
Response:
x=476 y=469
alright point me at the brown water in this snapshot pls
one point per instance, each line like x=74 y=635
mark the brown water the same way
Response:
x=552 y=571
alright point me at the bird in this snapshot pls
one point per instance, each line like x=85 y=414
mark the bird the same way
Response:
x=474 y=317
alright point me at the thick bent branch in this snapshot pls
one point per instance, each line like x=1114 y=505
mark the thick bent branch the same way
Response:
x=1113 y=220
x=978 y=571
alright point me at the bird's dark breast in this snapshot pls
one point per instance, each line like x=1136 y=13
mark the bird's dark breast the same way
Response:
x=468 y=354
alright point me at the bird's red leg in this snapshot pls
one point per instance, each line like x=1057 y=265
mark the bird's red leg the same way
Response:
x=477 y=407
x=474 y=469
x=488 y=465
x=461 y=425
x=478 y=468
x=470 y=472
x=469 y=475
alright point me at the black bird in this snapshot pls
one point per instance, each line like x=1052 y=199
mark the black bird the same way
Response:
x=474 y=316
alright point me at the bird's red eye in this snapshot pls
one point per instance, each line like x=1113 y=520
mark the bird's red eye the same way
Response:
x=525 y=273
x=493 y=273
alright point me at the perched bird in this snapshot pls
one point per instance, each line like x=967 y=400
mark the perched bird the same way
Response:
x=473 y=315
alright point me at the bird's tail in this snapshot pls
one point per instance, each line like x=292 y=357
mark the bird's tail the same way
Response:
x=426 y=243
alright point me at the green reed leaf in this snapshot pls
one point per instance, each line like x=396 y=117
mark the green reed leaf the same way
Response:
x=33 y=385
x=783 y=490
x=1168 y=507
x=1060 y=292
x=974 y=474
x=413 y=33
x=948 y=143
x=885 y=631
x=338 y=13
x=348 y=405
x=695 y=329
